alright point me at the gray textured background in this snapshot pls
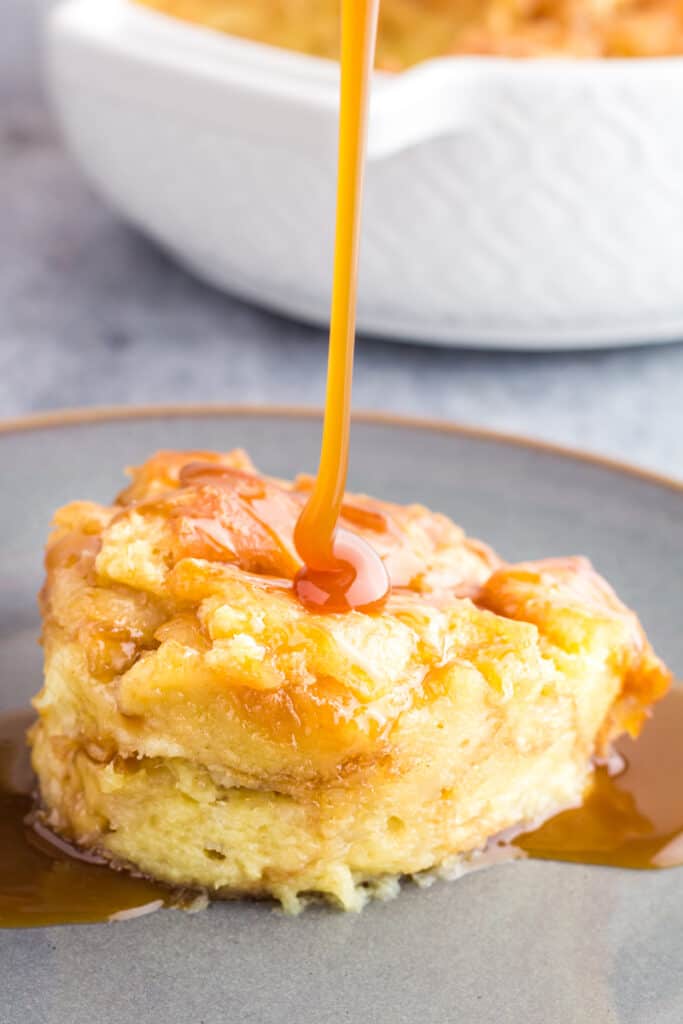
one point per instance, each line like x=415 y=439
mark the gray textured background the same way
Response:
x=91 y=313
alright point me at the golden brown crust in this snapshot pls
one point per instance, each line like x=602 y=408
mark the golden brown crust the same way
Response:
x=186 y=583
x=570 y=603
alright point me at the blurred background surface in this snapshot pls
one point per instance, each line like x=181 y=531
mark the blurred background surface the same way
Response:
x=91 y=313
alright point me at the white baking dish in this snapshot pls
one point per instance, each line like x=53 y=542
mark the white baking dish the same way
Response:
x=522 y=204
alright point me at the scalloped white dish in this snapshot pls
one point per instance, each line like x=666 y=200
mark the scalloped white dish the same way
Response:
x=518 y=204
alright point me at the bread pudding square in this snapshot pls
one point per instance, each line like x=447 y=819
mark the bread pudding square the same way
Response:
x=199 y=725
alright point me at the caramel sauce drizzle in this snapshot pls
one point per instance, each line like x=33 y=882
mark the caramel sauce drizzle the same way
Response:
x=341 y=570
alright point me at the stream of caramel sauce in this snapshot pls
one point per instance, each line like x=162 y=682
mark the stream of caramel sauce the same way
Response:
x=630 y=819
x=341 y=570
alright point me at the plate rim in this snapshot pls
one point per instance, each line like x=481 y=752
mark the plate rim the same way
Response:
x=74 y=416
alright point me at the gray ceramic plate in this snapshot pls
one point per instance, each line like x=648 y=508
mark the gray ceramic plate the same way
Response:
x=524 y=943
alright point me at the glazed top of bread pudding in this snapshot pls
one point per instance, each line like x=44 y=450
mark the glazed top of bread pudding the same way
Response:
x=179 y=600
x=415 y=30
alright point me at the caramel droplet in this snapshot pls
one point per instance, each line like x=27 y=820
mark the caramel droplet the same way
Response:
x=360 y=582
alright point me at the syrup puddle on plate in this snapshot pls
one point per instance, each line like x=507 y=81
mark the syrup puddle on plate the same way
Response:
x=630 y=819
x=633 y=819
x=43 y=881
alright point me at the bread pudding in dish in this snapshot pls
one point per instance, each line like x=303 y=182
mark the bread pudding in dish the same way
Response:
x=414 y=30
x=199 y=725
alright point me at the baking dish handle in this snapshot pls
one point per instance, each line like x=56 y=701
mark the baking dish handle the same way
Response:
x=433 y=100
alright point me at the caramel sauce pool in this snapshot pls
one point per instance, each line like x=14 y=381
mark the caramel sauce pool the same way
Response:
x=633 y=819
x=342 y=571
x=42 y=880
